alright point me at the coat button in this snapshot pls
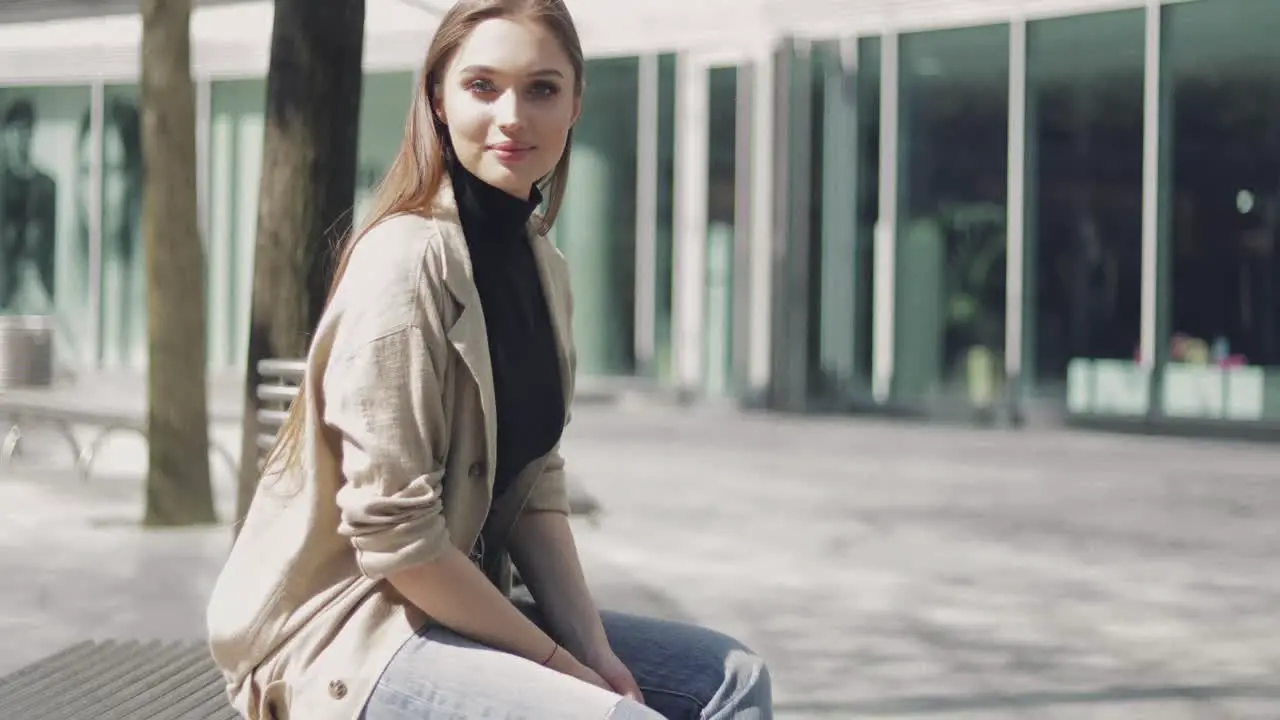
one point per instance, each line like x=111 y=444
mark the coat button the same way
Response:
x=337 y=689
x=476 y=470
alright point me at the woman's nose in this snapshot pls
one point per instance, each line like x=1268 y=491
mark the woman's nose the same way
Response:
x=507 y=110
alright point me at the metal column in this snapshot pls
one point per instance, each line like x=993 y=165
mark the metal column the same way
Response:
x=690 y=250
x=763 y=187
x=1155 y=273
x=743 y=172
x=1015 y=222
x=646 y=277
x=885 y=275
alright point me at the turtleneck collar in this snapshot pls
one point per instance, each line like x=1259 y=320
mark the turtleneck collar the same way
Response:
x=490 y=215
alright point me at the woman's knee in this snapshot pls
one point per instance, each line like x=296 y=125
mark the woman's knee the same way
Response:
x=690 y=670
x=749 y=667
x=747 y=692
x=745 y=689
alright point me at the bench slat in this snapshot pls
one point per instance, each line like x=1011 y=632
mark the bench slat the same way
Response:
x=277 y=393
x=282 y=368
x=271 y=418
x=155 y=696
x=111 y=684
x=112 y=680
x=52 y=681
x=9 y=682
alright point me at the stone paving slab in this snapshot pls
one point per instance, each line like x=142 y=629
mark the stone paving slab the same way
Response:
x=899 y=570
x=884 y=569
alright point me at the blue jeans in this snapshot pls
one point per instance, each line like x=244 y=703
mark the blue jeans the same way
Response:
x=683 y=670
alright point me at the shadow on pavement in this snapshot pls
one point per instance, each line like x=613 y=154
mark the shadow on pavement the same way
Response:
x=946 y=704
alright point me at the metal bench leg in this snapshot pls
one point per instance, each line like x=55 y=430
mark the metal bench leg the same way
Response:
x=85 y=456
x=12 y=446
x=67 y=432
x=227 y=458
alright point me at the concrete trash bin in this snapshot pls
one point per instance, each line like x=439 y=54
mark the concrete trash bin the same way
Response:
x=26 y=351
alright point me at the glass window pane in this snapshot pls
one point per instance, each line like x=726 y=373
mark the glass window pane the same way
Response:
x=846 y=171
x=596 y=229
x=235 y=166
x=1084 y=191
x=45 y=163
x=721 y=214
x=384 y=108
x=953 y=150
x=1222 y=207
x=868 y=204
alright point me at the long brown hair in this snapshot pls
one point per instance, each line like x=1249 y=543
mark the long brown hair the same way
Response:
x=416 y=175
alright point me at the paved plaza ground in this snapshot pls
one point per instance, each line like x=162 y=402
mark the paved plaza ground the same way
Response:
x=884 y=569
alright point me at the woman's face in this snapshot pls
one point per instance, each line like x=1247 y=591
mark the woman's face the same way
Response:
x=508 y=100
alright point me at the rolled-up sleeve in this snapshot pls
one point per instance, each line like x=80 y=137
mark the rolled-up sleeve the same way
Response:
x=383 y=399
x=550 y=494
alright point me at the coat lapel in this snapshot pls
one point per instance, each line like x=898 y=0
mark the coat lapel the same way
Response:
x=548 y=257
x=467 y=335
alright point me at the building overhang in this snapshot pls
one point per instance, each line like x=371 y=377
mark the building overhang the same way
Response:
x=233 y=40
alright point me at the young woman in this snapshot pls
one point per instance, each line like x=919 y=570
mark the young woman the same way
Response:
x=370 y=579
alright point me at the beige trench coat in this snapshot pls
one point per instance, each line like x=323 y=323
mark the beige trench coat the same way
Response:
x=399 y=453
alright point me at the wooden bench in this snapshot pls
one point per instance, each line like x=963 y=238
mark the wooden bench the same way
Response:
x=118 y=679
x=114 y=680
x=278 y=384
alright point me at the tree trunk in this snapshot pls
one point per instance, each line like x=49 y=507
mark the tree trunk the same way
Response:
x=308 y=186
x=178 y=487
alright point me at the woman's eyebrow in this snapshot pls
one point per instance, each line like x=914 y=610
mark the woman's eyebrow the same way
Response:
x=487 y=70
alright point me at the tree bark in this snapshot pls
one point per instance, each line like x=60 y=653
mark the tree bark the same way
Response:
x=307 y=188
x=178 y=486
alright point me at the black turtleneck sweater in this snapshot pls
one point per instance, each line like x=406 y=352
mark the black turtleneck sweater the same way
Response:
x=522 y=344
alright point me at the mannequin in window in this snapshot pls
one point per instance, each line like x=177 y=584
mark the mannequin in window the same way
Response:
x=28 y=202
x=123 y=273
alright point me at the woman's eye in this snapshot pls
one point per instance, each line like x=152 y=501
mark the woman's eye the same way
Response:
x=543 y=89
x=481 y=86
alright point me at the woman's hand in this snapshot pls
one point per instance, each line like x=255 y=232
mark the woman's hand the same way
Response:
x=565 y=663
x=543 y=548
x=609 y=667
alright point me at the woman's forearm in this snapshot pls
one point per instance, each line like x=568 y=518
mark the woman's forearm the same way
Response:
x=542 y=547
x=456 y=594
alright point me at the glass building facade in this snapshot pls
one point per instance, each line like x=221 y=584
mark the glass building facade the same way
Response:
x=1072 y=215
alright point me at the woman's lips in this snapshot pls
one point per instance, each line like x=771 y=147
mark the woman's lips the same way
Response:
x=511 y=152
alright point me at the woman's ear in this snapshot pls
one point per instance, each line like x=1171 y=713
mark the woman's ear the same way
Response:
x=437 y=105
x=577 y=103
